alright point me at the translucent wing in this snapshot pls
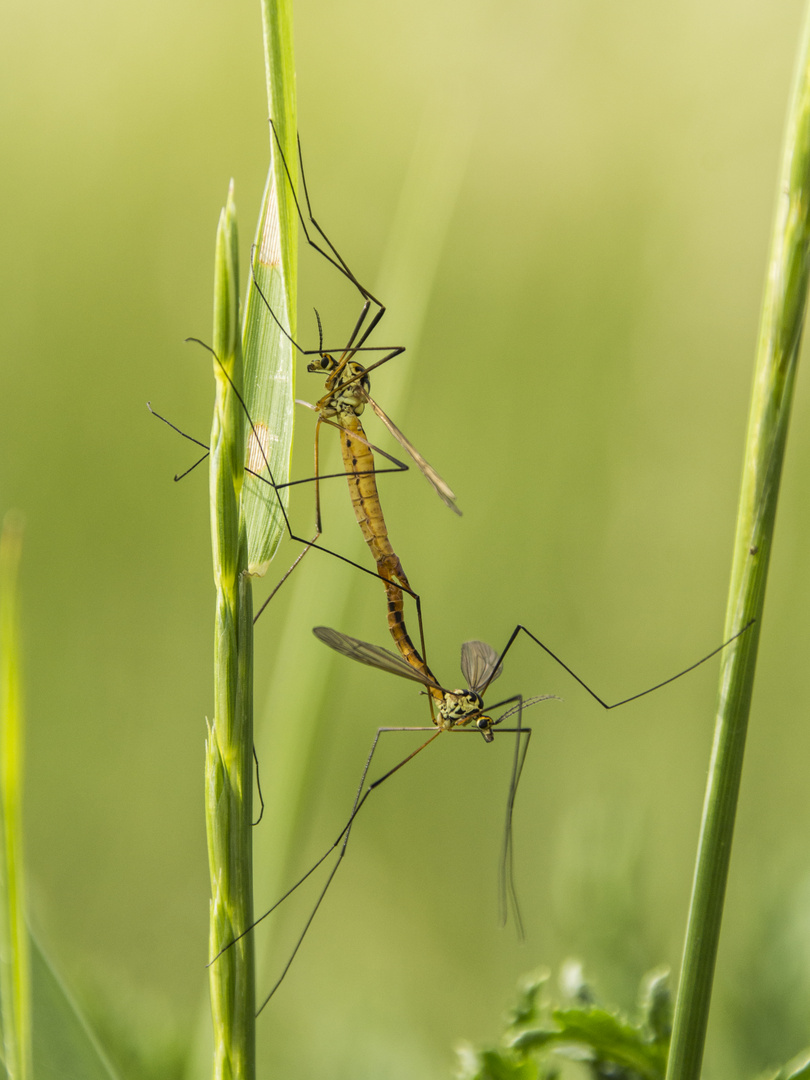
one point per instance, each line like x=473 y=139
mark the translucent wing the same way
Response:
x=373 y=655
x=478 y=662
x=525 y=705
x=444 y=492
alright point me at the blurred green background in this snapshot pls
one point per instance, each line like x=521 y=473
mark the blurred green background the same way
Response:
x=567 y=210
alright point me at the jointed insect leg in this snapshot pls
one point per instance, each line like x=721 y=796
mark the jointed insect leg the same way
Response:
x=338 y=261
x=399 y=466
x=361 y=796
x=584 y=685
x=341 y=842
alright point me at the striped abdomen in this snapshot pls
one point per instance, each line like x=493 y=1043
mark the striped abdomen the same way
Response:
x=358 y=461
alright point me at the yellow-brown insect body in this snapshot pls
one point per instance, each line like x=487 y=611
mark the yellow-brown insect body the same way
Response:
x=346 y=388
x=358 y=462
x=459 y=707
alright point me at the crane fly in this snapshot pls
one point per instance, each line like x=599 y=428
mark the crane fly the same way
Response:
x=458 y=710
x=452 y=710
x=256 y=450
x=347 y=386
x=347 y=393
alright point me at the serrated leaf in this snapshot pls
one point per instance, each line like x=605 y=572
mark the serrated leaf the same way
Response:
x=494 y=1065
x=603 y=1036
x=527 y=1007
x=656 y=1003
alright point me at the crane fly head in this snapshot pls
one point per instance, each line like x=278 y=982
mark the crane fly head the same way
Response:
x=324 y=365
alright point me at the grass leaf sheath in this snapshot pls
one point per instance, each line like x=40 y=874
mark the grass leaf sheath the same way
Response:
x=230 y=737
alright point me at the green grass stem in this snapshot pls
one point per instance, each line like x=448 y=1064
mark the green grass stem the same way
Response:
x=780 y=336
x=254 y=360
x=15 y=964
x=229 y=773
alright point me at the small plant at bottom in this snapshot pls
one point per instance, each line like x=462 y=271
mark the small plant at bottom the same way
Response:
x=541 y=1036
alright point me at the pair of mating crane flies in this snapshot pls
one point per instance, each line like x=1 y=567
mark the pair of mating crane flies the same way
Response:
x=347 y=393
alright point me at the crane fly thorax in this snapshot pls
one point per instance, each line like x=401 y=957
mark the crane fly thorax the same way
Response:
x=461 y=707
x=346 y=386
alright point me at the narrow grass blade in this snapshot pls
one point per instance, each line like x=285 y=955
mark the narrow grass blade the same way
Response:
x=269 y=388
x=15 y=974
x=279 y=62
x=780 y=335
x=65 y=1045
x=229 y=773
x=268 y=351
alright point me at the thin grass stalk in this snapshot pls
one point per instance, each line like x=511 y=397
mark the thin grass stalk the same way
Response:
x=229 y=774
x=279 y=63
x=780 y=336
x=15 y=964
x=246 y=529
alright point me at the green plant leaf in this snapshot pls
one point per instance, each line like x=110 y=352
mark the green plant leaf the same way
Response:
x=64 y=1046
x=605 y=1037
x=271 y=305
x=495 y=1065
x=269 y=385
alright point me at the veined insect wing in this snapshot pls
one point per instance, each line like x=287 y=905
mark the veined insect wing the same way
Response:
x=373 y=655
x=478 y=662
x=442 y=489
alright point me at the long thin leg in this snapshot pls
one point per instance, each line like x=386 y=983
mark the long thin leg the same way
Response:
x=310 y=544
x=584 y=685
x=348 y=350
x=507 y=892
x=400 y=466
x=338 y=261
x=361 y=796
x=357 y=339
x=346 y=833
x=342 y=838
x=190 y=438
x=258 y=788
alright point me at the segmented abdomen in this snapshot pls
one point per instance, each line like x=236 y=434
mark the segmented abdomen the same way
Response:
x=358 y=461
